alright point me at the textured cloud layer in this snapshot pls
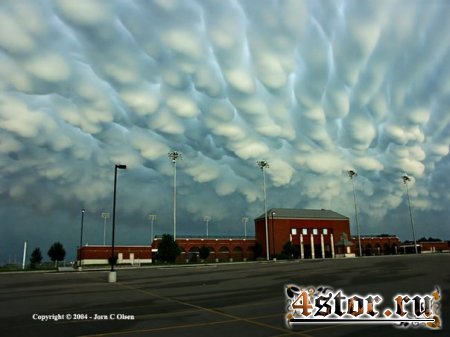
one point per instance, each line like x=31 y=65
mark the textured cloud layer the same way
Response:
x=313 y=87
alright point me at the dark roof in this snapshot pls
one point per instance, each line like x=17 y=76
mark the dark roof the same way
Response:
x=288 y=213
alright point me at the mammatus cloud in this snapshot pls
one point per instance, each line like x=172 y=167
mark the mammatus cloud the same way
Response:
x=313 y=87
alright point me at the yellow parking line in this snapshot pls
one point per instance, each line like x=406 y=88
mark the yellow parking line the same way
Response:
x=232 y=318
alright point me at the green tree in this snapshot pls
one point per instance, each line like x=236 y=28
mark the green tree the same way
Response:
x=203 y=252
x=168 y=249
x=36 y=257
x=56 y=252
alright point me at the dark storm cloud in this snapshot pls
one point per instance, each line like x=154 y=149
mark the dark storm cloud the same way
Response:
x=314 y=87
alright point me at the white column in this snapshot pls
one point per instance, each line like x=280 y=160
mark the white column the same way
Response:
x=24 y=254
x=302 y=248
x=322 y=246
x=332 y=245
x=312 y=248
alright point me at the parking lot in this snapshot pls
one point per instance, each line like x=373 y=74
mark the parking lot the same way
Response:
x=240 y=299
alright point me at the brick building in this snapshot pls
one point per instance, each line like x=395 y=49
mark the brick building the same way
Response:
x=221 y=249
x=377 y=245
x=315 y=233
x=433 y=246
x=318 y=233
x=99 y=255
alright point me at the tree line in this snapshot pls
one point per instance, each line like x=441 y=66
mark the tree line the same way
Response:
x=56 y=253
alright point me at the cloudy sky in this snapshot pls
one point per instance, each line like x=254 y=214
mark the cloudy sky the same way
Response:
x=314 y=87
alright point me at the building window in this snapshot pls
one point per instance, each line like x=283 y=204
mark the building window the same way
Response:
x=315 y=231
x=325 y=231
x=304 y=231
x=294 y=231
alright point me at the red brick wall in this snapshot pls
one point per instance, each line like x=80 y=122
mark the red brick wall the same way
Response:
x=222 y=249
x=279 y=230
x=438 y=246
x=377 y=245
x=104 y=252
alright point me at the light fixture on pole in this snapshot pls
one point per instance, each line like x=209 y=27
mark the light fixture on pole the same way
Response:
x=265 y=165
x=112 y=274
x=352 y=174
x=244 y=221
x=105 y=216
x=81 y=239
x=174 y=156
x=152 y=218
x=407 y=179
x=206 y=219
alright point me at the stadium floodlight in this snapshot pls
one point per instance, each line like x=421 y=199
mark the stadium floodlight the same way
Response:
x=105 y=216
x=152 y=218
x=174 y=156
x=263 y=165
x=244 y=221
x=206 y=219
x=352 y=174
x=406 y=180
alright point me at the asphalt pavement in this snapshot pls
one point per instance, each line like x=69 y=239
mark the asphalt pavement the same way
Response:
x=236 y=299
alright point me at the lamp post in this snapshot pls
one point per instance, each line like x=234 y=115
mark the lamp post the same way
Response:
x=273 y=240
x=175 y=155
x=244 y=221
x=112 y=274
x=81 y=237
x=206 y=219
x=406 y=179
x=152 y=218
x=105 y=216
x=352 y=174
x=265 y=165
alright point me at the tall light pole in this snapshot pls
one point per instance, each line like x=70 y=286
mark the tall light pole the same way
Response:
x=206 y=219
x=265 y=165
x=244 y=221
x=152 y=218
x=105 y=216
x=352 y=174
x=273 y=240
x=406 y=179
x=81 y=236
x=174 y=156
x=112 y=277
